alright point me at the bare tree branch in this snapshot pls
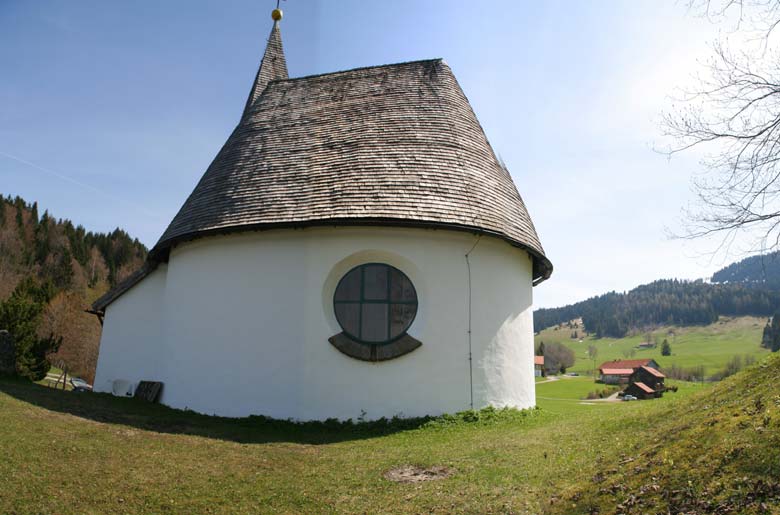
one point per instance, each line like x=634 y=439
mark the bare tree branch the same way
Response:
x=733 y=118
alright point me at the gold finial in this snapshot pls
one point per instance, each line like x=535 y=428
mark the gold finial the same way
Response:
x=277 y=13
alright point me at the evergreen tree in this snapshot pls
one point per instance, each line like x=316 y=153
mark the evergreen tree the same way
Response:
x=61 y=272
x=19 y=216
x=20 y=315
x=42 y=240
x=666 y=349
x=771 y=337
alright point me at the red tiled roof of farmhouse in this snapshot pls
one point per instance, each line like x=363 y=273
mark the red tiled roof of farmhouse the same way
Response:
x=617 y=371
x=538 y=360
x=644 y=387
x=391 y=145
x=626 y=363
x=653 y=371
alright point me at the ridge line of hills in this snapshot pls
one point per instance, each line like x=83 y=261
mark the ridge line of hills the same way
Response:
x=750 y=287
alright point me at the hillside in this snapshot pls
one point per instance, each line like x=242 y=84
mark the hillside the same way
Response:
x=750 y=287
x=759 y=271
x=67 y=267
x=721 y=454
x=664 y=302
x=711 y=347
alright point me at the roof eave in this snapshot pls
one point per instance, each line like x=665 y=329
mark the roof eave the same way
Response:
x=542 y=266
x=99 y=306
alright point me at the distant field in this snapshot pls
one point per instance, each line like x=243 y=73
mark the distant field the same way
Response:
x=712 y=346
x=567 y=395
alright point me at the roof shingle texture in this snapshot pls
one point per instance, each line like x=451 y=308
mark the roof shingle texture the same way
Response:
x=393 y=145
x=272 y=67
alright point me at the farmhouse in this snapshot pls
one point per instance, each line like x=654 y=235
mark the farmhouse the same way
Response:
x=619 y=371
x=539 y=366
x=640 y=391
x=615 y=375
x=355 y=249
x=650 y=377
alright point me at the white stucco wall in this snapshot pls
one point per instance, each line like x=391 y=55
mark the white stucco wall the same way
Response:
x=239 y=324
x=132 y=330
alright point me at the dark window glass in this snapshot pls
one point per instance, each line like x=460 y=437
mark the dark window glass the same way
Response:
x=349 y=286
x=375 y=282
x=375 y=303
x=400 y=314
x=401 y=288
x=374 y=324
x=348 y=316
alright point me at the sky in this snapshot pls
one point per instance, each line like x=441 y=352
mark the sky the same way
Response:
x=111 y=111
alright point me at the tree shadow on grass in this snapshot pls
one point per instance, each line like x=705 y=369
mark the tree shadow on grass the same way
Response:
x=105 y=408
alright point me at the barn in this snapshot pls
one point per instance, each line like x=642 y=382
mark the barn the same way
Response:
x=355 y=249
x=640 y=391
x=650 y=377
x=619 y=371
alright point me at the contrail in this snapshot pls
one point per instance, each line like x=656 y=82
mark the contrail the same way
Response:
x=82 y=184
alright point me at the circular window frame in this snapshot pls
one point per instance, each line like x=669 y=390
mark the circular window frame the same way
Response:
x=362 y=301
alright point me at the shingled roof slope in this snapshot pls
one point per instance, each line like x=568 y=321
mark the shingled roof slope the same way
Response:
x=272 y=67
x=386 y=145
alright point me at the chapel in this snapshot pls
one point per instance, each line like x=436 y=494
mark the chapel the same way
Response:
x=354 y=250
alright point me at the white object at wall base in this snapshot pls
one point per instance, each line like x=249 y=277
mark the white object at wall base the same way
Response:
x=122 y=388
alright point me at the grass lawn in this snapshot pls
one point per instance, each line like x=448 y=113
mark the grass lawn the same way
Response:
x=91 y=453
x=55 y=372
x=567 y=395
x=712 y=346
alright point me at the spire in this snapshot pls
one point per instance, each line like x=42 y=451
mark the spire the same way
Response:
x=273 y=66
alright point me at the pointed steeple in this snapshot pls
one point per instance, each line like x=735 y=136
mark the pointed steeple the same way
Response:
x=273 y=66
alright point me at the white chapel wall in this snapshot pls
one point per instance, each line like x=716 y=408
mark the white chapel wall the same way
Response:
x=131 y=339
x=247 y=319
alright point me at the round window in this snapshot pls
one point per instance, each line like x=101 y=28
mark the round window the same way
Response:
x=375 y=303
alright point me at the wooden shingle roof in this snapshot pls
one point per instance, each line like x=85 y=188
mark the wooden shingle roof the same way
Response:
x=392 y=145
x=386 y=145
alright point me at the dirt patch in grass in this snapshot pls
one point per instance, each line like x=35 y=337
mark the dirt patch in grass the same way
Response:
x=414 y=474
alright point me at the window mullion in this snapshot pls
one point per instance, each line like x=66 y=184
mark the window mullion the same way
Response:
x=362 y=299
x=388 y=275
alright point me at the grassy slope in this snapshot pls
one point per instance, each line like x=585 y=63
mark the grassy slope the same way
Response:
x=721 y=454
x=711 y=346
x=69 y=453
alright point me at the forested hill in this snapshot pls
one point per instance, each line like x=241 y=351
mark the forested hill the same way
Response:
x=54 y=269
x=762 y=271
x=672 y=302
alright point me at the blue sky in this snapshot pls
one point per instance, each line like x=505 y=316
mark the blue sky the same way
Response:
x=111 y=111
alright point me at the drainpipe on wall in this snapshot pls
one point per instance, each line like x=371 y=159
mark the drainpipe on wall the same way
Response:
x=471 y=366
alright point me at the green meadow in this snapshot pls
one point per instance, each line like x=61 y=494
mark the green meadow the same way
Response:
x=69 y=453
x=711 y=346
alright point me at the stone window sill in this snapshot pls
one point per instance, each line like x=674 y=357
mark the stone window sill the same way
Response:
x=373 y=353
